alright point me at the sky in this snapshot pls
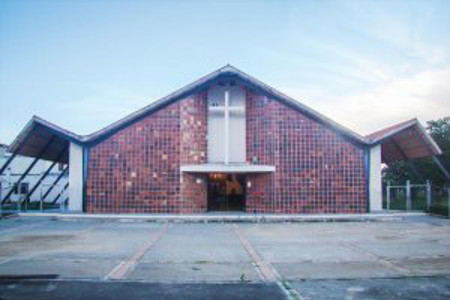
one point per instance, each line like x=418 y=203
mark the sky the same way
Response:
x=85 y=64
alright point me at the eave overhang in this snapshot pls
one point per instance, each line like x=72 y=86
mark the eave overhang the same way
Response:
x=404 y=141
x=33 y=139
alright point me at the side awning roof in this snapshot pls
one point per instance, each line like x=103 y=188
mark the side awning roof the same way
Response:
x=44 y=140
x=404 y=141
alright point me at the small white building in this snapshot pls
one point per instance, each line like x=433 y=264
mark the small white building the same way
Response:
x=19 y=190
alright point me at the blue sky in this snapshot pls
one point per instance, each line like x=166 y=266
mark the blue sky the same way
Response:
x=85 y=64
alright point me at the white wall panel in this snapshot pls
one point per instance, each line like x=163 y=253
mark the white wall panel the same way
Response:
x=216 y=142
x=216 y=123
x=375 y=189
x=75 y=177
x=237 y=137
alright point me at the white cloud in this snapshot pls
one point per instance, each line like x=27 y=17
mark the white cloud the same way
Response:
x=425 y=95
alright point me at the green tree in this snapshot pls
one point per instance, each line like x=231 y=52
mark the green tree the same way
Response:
x=399 y=172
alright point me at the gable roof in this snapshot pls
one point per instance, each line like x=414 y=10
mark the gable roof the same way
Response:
x=226 y=71
x=33 y=137
x=37 y=130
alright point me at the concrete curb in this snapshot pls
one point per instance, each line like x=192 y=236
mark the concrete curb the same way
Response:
x=241 y=218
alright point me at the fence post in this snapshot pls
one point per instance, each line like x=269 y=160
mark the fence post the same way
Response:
x=428 y=196
x=18 y=202
x=41 y=204
x=388 y=196
x=448 y=202
x=408 y=195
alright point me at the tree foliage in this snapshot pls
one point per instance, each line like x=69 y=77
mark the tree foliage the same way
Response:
x=399 y=172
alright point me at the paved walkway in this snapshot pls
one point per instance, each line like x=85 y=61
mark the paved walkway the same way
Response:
x=281 y=256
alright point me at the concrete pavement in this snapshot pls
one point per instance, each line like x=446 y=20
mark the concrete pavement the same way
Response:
x=293 y=254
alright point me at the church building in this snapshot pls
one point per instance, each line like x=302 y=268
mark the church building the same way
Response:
x=226 y=142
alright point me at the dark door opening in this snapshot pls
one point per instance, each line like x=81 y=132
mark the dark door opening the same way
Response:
x=226 y=192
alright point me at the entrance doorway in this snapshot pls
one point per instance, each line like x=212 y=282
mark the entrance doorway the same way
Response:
x=226 y=192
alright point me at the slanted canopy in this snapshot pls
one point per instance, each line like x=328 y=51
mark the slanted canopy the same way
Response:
x=404 y=141
x=44 y=140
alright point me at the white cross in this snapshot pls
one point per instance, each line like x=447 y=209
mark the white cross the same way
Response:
x=227 y=109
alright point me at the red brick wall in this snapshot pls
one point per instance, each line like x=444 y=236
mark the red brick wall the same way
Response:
x=194 y=129
x=137 y=170
x=193 y=151
x=317 y=170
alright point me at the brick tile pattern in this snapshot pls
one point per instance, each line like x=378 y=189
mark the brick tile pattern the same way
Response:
x=137 y=170
x=194 y=129
x=193 y=151
x=317 y=170
x=260 y=193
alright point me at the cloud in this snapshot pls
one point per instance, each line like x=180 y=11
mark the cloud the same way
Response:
x=395 y=68
x=425 y=95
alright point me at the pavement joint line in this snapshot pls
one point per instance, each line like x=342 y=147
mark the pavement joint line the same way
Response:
x=378 y=258
x=122 y=270
x=261 y=265
x=265 y=269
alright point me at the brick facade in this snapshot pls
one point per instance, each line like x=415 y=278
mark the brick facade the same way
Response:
x=193 y=151
x=317 y=170
x=137 y=169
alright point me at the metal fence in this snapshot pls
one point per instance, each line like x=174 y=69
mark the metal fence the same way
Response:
x=418 y=197
x=21 y=204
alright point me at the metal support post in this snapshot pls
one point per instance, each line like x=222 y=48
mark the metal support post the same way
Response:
x=11 y=158
x=44 y=175
x=441 y=167
x=408 y=195
x=60 y=193
x=428 y=196
x=18 y=203
x=448 y=202
x=24 y=174
x=388 y=196
x=55 y=182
